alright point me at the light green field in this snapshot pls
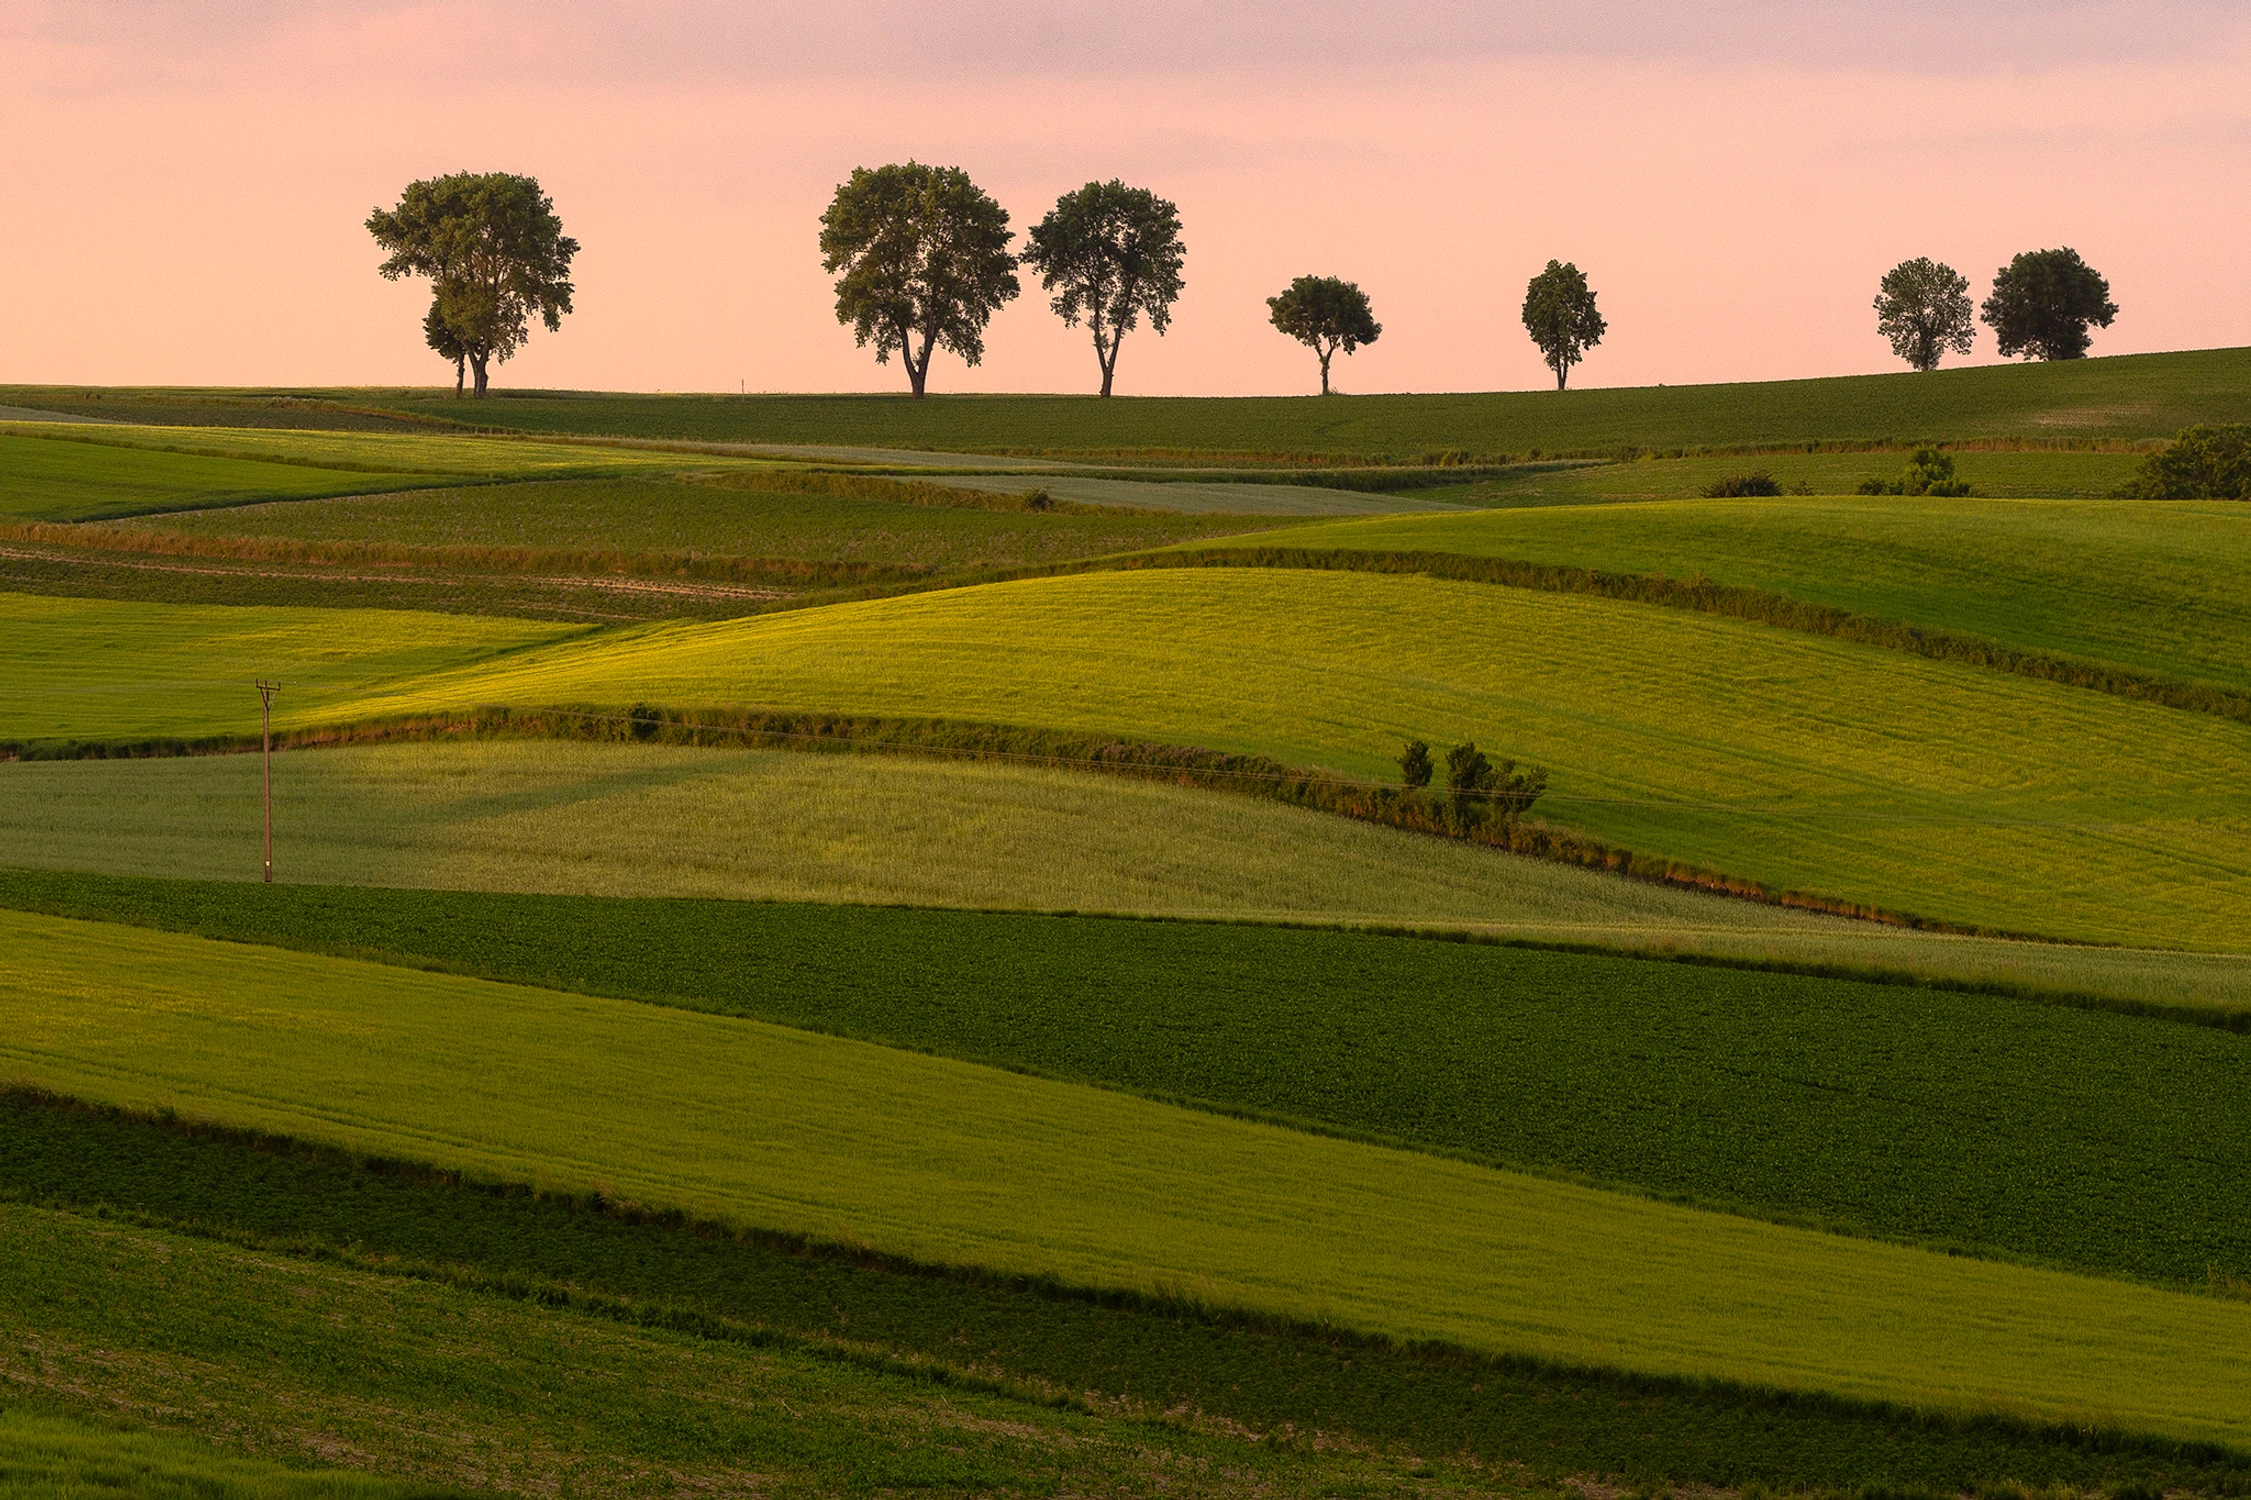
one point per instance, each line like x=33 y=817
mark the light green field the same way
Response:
x=95 y=669
x=2060 y=473
x=1217 y=498
x=620 y=820
x=1802 y=762
x=52 y=1458
x=2153 y=587
x=46 y=479
x=944 y=1161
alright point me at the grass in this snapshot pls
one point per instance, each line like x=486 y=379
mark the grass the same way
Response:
x=2121 y=398
x=90 y=668
x=44 y=479
x=45 y=1455
x=1787 y=1097
x=1288 y=1388
x=2142 y=586
x=660 y=516
x=574 y=818
x=2012 y=474
x=1218 y=497
x=441 y=1383
x=946 y=1162
x=1798 y=762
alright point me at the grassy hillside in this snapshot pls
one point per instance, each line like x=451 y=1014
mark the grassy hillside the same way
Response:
x=1308 y=1404
x=1511 y=1056
x=666 y=516
x=476 y=1384
x=44 y=479
x=2009 y=474
x=568 y=817
x=1798 y=761
x=2146 y=587
x=47 y=1455
x=947 y=1162
x=2126 y=397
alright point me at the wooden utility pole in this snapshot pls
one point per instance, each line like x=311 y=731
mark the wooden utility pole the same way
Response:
x=266 y=691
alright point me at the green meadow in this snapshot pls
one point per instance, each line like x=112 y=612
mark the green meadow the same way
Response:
x=2125 y=397
x=44 y=1455
x=1865 y=1107
x=1816 y=765
x=46 y=479
x=948 y=1162
x=574 y=818
x=2161 y=601
x=2006 y=473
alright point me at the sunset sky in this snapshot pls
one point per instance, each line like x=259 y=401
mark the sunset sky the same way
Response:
x=186 y=183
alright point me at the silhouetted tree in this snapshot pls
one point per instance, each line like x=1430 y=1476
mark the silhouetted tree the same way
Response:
x=2043 y=302
x=1559 y=313
x=924 y=262
x=1414 y=764
x=496 y=256
x=1111 y=254
x=1924 y=308
x=1325 y=315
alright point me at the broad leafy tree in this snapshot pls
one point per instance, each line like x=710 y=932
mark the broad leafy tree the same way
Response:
x=1111 y=255
x=2043 y=303
x=1325 y=315
x=921 y=261
x=1560 y=314
x=496 y=256
x=1924 y=308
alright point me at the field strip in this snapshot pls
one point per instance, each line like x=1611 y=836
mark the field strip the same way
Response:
x=954 y=1163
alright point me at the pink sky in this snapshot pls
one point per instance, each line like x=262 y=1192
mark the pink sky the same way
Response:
x=186 y=182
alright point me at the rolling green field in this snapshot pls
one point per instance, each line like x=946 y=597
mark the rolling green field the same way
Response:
x=2161 y=602
x=44 y=479
x=947 y=1162
x=43 y=1455
x=2060 y=474
x=1866 y=1107
x=2124 y=397
x=444 y=1384
x=656 y=515
x=1801 y=762
x=575 y=818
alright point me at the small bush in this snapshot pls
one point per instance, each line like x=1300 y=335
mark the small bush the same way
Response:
x=1929 y=472
x=1039 y=499
x=2203 y=463
x=1757 y=482
x=1414 y=764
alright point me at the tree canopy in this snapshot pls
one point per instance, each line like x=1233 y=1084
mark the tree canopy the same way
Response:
x=1559 y=313
x=2204 y=462
x=2043 y=303
x=1325 y=314
x=921 y=260
x=1924 y=308
x=496 y=256
x=1111 y=254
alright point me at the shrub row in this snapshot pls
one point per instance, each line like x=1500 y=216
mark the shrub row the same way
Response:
x=2203 y=463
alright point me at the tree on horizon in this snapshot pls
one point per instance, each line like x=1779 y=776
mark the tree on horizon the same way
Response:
x=1923 y=306
x=1560 y=314
x=496 y=256
x=1325 y=314
x=921 y=260
x=1111 y=254
x=2043 y=303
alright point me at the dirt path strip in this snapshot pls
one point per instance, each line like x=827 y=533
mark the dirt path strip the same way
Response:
x=668 y=589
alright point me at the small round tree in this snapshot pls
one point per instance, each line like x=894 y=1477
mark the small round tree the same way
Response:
x=1559 y=313
x=1924 y=308
x=1325 y=315
x=2044 y=301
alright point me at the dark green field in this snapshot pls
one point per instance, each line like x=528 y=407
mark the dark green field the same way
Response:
x=2030 y=1129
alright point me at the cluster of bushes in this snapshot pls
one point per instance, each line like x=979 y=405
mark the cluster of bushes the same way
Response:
x=2203 y=463
x=1477 y=790
x=1929 y=472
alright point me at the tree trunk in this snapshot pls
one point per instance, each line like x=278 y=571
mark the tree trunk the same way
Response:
x=478 y=363
x=460 y=375
x=1108 y=360
x=1562 y=371
x=918 y=370
x=1324 y=374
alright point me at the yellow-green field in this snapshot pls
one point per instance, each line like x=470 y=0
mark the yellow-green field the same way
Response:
x=1802 y=762
x=952 y=1162
x=577 y=818
x=2150 y=586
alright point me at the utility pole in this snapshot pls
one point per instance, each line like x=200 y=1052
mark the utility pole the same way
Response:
x=266 y=691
